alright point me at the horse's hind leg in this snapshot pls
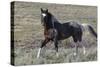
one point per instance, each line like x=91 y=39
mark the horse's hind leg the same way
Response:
x=84 y=49
x=83 y=43
x=43 y=44
x=76 y=45
x=76 y=48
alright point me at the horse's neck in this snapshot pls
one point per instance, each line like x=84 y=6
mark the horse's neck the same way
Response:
x=46 y=27
x=51 y=22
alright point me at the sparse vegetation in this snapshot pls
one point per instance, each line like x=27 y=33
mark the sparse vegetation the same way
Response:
x=29 y=34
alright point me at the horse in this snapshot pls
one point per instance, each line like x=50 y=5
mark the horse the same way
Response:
x=56 y=31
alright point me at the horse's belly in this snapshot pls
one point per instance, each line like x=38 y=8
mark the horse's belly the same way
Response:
x=63 y=36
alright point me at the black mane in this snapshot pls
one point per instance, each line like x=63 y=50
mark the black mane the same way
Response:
x=52 y=20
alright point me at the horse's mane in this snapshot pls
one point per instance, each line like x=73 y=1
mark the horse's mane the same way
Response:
x=51 y=16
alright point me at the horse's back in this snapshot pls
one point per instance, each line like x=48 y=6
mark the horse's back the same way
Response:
x=73 y=28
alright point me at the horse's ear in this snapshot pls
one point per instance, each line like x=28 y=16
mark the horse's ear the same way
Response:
x=41 y=10
x=46 y=10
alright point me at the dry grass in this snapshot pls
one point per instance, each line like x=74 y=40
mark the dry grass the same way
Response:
x=29 y=34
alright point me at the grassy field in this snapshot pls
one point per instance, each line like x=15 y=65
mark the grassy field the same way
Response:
x=28 y=34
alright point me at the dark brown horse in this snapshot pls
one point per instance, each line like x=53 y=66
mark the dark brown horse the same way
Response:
x=55 y=31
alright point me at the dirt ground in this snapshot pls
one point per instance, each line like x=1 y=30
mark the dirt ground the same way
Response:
x=28 y=34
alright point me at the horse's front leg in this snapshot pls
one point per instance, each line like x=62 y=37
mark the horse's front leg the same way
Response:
x=42 y=45
x=56 y=46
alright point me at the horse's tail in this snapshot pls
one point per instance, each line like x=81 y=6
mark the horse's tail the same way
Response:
x=91 y=30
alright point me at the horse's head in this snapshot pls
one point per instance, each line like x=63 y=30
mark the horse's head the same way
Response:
x=44 y=16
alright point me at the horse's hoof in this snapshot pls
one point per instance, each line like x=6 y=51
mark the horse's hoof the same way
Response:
x=84 y=52
x=37 y=57
x=75 y=54
x=57 y=54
